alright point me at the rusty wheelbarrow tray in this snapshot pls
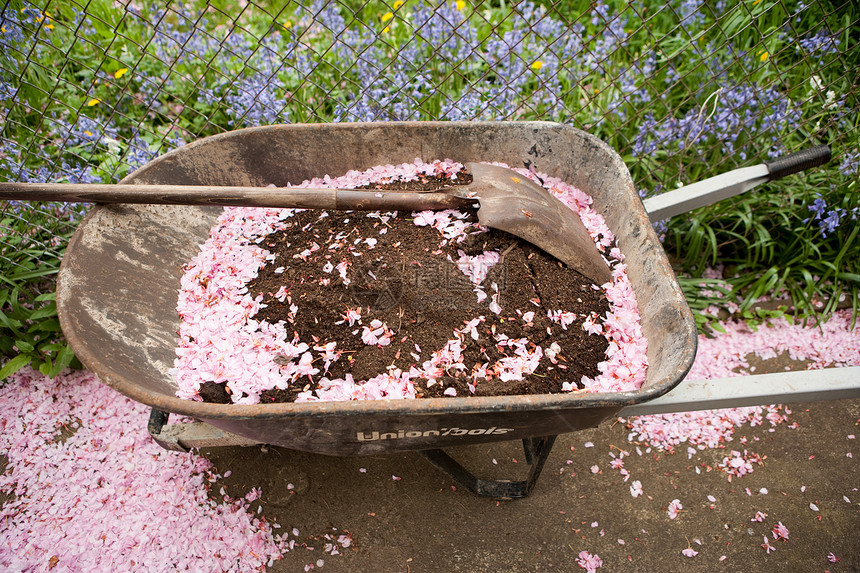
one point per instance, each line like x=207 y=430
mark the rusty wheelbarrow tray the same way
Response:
x=119 y=281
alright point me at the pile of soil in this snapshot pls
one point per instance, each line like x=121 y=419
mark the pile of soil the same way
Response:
x=408 y=282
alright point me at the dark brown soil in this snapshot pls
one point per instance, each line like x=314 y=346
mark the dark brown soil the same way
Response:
x=408 y=283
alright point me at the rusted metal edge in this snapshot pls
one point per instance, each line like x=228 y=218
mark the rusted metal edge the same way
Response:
x=691 y=395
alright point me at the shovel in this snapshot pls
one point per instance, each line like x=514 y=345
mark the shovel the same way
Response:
x=507 y=201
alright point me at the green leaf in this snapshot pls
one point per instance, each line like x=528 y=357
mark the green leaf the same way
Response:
x=65 y=358
x=9 y=322
x=45 y=367
x=50 y=325
x=44 y=312
x=20 y=277
x=24 y=346
x=14 y=365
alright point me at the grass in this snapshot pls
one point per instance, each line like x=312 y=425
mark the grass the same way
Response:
x=90 y=91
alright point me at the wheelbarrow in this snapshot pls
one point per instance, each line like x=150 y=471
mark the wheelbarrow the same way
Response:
x=119 y=280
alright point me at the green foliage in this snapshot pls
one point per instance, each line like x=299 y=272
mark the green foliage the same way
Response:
x=29 y=328
x=30 y=334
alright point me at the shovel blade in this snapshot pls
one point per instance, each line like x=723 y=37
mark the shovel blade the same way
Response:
x=517 y=205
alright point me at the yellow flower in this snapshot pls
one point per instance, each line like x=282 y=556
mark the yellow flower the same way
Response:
x=386 y=29
x=93 y=102
x=387 y=16
x=537 y=65
x=287 y=25
x=398 y=4
x=460 y=4
x=120 y=73
x=756 y=2
x=763 y=56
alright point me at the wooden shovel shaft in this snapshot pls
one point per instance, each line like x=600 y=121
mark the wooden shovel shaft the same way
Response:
x=291 y=197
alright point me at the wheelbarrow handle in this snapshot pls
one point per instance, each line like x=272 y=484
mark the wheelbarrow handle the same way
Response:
x=725 y=185
x=798 y=161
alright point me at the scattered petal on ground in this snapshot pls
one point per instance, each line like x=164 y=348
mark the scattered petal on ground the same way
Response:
x=674 y=507
x=588 y=561
x=830 y=344
x=105 y=497
x=780 y=531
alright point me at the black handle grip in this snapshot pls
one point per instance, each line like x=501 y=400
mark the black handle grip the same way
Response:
x=797 y=162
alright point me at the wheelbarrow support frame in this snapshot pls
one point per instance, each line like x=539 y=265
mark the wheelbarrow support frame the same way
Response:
x=690 y=395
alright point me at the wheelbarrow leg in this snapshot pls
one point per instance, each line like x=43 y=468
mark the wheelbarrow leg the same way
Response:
x=190 y=435
x=536 y=451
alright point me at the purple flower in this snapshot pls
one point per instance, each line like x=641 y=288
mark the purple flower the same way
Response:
x=690 y=15
x=828 y=220
x=849 y=164
x=822 y=42
x=80 y=173
x=723 y=117
x=328 y=14
x=470 y=106
x=256 y=101
x=830 y=223
x=445 y=31
x=818 y=207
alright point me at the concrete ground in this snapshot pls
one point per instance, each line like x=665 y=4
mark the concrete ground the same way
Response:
x=402 y=514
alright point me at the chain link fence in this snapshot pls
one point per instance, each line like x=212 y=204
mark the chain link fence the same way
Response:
x=90 y=90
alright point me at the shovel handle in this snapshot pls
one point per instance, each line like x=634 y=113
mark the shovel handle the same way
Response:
x=798 y=161
x=292 y=197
